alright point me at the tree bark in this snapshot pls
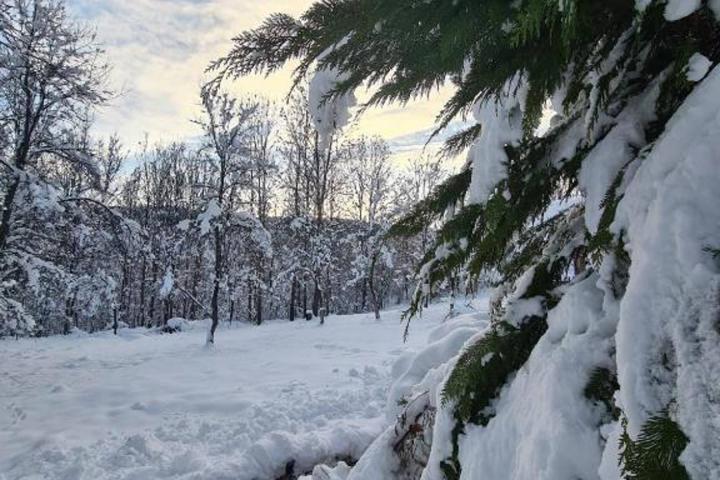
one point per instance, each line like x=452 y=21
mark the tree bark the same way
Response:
x=258 y=307
x=30 y=121
x=292 y=300
x=371 y=285
x=7 y=213
x=193 y=291
x=215 y=307
x=142 y=295
x=305 y=302
x=317 y=299
x=218 y=257
x=363 y=295
x=151 y=310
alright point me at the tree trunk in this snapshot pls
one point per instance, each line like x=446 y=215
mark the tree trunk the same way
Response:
x=124 y=294
x=7 y=213
x=258 y=307
x=151 y=310
x=363 y=295
x=216 y=288
x=250 y=309
x=371 y=284
x=166 y=312
x=317 y=299
x=21 y=157
x=292 y=300
x=305 y=302
x=195 y=280
x=451 y=313
x=142 y=295
x=69 y=314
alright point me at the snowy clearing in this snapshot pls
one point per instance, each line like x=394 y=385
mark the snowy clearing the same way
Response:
x=142 y=406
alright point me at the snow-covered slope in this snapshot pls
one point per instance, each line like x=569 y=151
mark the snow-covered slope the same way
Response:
x=148 y=406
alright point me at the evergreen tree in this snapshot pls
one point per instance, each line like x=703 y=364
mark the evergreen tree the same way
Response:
x=615 y=72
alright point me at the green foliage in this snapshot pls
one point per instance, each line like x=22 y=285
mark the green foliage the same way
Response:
x=525 y=253
x=480 y=374
x=432 y=208
x=601 y=54
x=674 y=44
x=409 y=48
x=484 y=368
x=461 y=141
x=448 y=254
x=601 y=388
x=451 y=467
x=531 y=186
x=603 y=241
x=655 y=454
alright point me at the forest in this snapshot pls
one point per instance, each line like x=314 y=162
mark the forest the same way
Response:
x=281 y=297
x=255 y=219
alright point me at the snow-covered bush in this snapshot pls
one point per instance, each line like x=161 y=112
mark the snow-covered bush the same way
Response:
x=176 y=324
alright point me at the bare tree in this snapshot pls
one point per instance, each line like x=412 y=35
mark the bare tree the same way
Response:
x=226 y=124
x=369 y=178
x=110 y=157
x=51 y=74
x=262 y=143
x=296 y=151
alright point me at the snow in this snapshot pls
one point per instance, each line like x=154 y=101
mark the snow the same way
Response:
x=518 y=308
x=419 y=379
x=44 y=196
x=329 y=113
x=323 y=472
x=545 y=429
x=178 y=324
x=612 y=61
x=167 y=284
x=205 y=219
x=434 y=355
x=183 y=225
x=667 y=336
x=698 y=67
x=501 y=122
x=676 y=9
x=142 y=405
x=606 y=160
x=609 y=467
x=641 y=5
x=679 y=9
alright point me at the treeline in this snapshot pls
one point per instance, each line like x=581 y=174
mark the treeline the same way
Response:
x=262 y=218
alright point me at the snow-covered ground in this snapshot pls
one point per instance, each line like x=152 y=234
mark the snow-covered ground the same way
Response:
x=146 y=406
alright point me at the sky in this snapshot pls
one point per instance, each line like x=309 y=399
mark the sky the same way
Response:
x=159 y=50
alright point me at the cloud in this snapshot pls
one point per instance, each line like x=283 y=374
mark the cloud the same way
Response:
x=159 y=50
